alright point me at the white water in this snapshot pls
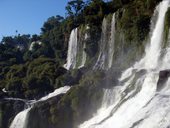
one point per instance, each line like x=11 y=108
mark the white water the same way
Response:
x=100 y=64
x=55 y=93
x=136 y=104
x=84 y=56
x=76 y=56
x=87 y=36
x=106 y=45
x=72 y=50
x=111 y=43
x=20 y=120
x=4 y=90
x=33 y=43
x=153 y=53
x=17 y=99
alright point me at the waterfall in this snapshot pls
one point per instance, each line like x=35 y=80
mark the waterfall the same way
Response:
x=33 y=43
x=83 y=37
x=72 y=50
x=84 y=56
x=137 y=103
x=102 y=51
x=106 y=45
x=153 y=52
x=76 y=56
x=55 y=93
x=111 y=42
x=20 y=120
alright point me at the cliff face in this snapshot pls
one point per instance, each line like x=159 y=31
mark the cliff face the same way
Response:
x=121 y=37
x=96 y=58
x=120 y=42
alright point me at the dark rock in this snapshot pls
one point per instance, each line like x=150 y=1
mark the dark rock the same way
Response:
x=163 y=77
x=8 y=110
x=39 y=115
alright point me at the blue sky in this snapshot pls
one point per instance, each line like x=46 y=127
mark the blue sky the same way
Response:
x=27 y=16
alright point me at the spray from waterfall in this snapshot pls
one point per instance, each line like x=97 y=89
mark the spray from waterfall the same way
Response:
x=100 y=64
x=106 y=45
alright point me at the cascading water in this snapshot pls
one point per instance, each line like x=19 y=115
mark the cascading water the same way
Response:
x=153 y=53
x=137 y=104
x=20 y=120
x=106 y=44
x=111 y=43
x=102 y=53
x=84 y=56
x=76 y=57
x=72 y=50
x=55 y=93
x=83 y=37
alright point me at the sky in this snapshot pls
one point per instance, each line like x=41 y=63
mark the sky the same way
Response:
x=27 y=16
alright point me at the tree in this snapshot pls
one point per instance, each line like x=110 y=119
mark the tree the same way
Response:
x=52 y=22
x=17 y=41
x=35 y=37
x=74 y=7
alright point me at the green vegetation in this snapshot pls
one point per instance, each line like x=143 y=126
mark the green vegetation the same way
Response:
x=32 y=79
x=66 y=111
x=28 y=73
x=134 y=19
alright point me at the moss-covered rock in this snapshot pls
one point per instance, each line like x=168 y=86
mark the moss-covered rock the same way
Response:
x=67 y=110
x=8 y=110
x=134 y=19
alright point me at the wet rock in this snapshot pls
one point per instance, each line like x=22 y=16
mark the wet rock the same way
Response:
x=39 y=115
x=163 y=77
x=8 y=110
